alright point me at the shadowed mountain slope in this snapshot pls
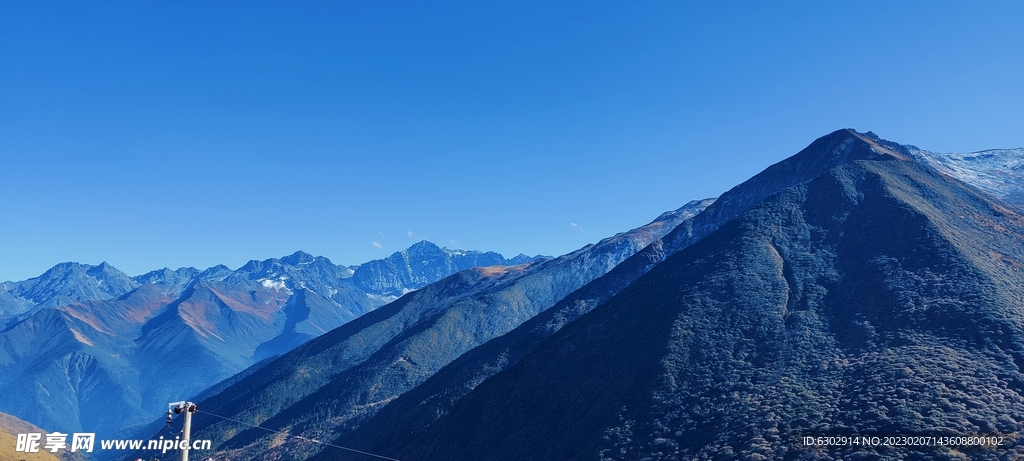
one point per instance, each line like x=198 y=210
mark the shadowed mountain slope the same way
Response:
x=881 y=298
x=336 y=381
x=428 y=402
x=825 y=153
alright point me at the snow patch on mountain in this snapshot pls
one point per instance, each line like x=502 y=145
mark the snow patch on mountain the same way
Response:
x=275 y=284
x=999 y=172
x=381 y=298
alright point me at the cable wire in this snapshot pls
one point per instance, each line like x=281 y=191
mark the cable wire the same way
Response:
x=298 y=436
x=169 y=431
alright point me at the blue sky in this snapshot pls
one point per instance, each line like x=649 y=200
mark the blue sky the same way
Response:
x=153 y=134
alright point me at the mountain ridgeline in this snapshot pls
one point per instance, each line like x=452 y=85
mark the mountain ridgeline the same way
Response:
x=88 y=347
x=858 y=288
x=881 y=298
x=525 y=363
x=332 y=384
x=419 y=408
x=852 y=289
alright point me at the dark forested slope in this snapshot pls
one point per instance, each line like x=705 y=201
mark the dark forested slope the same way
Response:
x=881 y=298
x=403 y=418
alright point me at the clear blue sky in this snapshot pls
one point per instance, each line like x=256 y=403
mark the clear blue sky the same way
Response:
x=153 y=134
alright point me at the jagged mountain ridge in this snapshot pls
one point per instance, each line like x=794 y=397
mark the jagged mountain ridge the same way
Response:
x=414 y=267
x=880 y=298
x=340 y=379
x=418 y=265
x=61 y=285
x=90 y=337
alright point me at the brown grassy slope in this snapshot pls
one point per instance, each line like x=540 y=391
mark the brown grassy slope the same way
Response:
x=9 y=428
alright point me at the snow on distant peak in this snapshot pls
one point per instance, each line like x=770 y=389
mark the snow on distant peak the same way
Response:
x=275 y=284
x=999 y=172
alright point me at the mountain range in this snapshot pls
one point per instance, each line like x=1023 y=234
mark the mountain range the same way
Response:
x=857 y=287
x=333 y=383
x=88 y=347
